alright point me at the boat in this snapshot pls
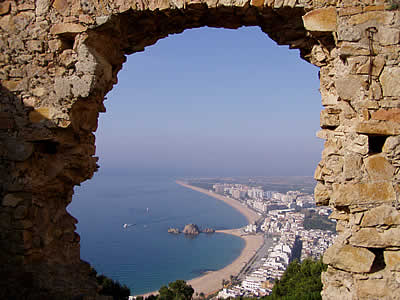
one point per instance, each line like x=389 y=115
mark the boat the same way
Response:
x=128 y=225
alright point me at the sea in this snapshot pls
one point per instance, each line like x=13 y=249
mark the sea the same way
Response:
x=144 y=256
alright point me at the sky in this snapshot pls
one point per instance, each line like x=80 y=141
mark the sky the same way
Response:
x=213 y=102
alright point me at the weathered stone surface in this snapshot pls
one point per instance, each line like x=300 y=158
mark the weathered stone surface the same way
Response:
x=372 y=289
x=382 y=215
x=349 y=88
x=328 y=119
x=378 y=127
x=350 y=34
x=39 y=114
x=377 y=67
x=67 y=28
x=374 y=17
x=392 y=260
x=389 y=36
x=18 y=150
x=372 y=238
x=358 y=193
x=62 y=6
x=352 y=165
x=323 y=19
x=390 y=81
x=59 y=58
x=349 y=258
x=5 y=7
x=357 y=143
x=392 y=114
x=379 y=168
x=12 y=200
x=321 y=194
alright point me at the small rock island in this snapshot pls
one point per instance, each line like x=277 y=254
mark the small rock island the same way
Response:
x=190 y=229
x=174 y=230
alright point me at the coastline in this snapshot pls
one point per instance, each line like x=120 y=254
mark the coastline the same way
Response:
x=211 y=281
x=250 y=215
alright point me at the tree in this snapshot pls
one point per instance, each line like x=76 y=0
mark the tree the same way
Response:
x=113 y=288
x=301 y=281
x=177 y=290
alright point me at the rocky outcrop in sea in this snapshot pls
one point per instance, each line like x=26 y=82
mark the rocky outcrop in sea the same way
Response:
x=191 y=230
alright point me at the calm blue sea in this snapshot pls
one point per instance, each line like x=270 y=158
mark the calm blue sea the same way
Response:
x=145 y=256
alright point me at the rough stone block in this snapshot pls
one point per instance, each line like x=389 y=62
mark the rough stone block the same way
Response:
x=323 y=19
x=257 y=3
x=372 y=288
x=358 y=193
x=379 y=168
x=351 y=166
x=5 y=7
x=349 y=34
x=349 y=87
x=377 y=67
x=382 y=215
x=12 y=200
x=39 y=114
x=14 y=85
x=374 y=127
x=328 y=120
x=372 y=238
x=357 y=143
x=390 y=79
x=67 y=28
x=376 y=17
x=348 y=11
x=389 y=36
x=392 y=114
x=321 y=194
x=392 y=260
x=62 y=6
x=18 y=150
x=349 y=258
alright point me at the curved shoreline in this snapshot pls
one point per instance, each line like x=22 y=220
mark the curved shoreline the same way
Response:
x=211 y=281
x=250 y=215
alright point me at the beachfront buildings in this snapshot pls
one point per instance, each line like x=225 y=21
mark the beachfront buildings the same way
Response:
x=284 y=216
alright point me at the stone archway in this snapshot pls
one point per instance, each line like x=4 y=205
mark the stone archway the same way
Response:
x=60 y=57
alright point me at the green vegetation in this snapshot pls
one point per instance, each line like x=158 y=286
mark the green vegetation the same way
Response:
x=313 y=220
x=177 y=290
x=110 y=287
x=301 y=281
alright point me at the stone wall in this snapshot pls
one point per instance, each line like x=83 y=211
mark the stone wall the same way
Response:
x=59 y=58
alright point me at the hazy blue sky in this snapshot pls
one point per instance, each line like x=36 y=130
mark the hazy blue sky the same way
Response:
x=213 y=102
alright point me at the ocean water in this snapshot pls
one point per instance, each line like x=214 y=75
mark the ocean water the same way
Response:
x=144 y=256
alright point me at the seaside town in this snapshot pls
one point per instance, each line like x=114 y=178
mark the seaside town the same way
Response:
x=287 y=221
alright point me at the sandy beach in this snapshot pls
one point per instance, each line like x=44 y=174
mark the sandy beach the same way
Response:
x=250 y=215
x=212 y=281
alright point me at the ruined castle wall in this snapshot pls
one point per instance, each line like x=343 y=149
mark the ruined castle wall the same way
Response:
x=59 y=58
